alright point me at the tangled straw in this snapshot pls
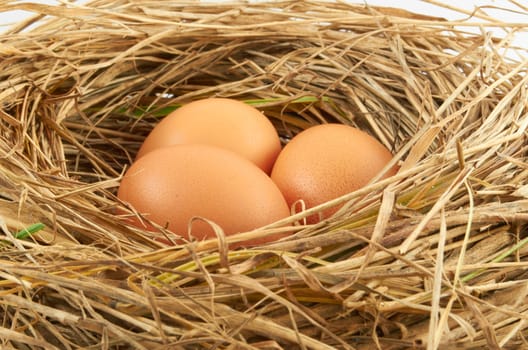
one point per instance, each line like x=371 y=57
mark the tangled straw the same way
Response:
x=434 y=257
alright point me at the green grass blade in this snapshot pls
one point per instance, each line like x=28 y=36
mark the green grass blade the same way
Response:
x=161 y=112
x=24 y=233
x=498 y=259
x=28 y=231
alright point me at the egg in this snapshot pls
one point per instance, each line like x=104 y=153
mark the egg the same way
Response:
x=221 y=122
x=171 y=185
x=327 y=161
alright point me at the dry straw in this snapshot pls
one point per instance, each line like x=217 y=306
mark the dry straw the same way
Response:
x=432 y=258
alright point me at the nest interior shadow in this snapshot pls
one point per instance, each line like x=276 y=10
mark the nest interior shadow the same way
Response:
x=431 y=257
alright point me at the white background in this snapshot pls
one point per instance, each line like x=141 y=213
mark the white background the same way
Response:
x=497 y=9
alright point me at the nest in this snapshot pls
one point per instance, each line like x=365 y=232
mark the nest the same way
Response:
x=433 y=257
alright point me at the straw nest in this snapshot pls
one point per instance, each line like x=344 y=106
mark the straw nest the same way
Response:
x=434 y=257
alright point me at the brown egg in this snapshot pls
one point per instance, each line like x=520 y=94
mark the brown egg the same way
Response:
x=327 y=161
x=220 y=122
x=171 y=185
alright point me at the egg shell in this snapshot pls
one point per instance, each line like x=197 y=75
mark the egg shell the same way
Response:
x=221 y=122
x=327 y=161
x=171 y=185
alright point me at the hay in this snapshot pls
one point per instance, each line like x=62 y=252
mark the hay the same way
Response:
x=434 y=257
